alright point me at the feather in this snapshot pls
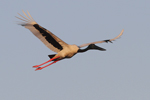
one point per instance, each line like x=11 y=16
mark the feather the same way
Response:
x=109 y=40
x=48 y=38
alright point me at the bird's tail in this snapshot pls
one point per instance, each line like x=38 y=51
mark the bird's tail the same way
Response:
x=51 y=56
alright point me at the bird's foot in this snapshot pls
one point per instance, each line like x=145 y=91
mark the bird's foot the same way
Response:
x=35 y=66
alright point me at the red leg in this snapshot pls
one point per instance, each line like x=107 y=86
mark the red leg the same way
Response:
x=39 y=68
x=45 y=62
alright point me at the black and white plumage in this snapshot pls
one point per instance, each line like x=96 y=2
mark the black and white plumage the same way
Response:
x=54 y=43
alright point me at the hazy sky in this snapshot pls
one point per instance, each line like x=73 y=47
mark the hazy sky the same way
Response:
x=120 y=73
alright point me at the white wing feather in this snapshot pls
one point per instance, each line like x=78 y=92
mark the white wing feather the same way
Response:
x=29 y=22
x=83 y=45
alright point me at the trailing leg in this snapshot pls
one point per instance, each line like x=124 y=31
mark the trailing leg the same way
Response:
x=45 y=62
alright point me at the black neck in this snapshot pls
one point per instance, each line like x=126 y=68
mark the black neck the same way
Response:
x=83 y=50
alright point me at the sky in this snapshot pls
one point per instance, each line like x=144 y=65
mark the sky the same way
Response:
x=120 y=73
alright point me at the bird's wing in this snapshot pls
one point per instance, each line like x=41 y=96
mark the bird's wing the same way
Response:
x=109 y=40
x=48 y=38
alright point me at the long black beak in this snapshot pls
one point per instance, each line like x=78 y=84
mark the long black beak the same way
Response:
x=93 y=46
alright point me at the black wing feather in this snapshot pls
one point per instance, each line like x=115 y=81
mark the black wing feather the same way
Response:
x=48 y=37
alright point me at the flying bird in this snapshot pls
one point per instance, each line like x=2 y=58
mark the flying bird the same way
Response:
x=55 y=44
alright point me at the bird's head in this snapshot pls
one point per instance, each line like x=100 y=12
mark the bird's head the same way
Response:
x=93 y=46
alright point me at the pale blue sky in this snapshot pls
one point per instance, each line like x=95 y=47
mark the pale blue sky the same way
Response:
x=120 y=73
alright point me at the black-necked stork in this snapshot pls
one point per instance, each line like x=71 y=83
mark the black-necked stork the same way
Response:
x=54 y=43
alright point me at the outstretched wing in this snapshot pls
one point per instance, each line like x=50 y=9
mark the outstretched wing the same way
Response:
x=109 y=40
x=48 y=38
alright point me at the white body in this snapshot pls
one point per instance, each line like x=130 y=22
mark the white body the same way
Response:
x=54 y=43
x=67 y=52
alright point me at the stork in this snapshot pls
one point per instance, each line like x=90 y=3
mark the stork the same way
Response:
x=55 y=44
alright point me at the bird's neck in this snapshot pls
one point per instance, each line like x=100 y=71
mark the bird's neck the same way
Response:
x=83 y=50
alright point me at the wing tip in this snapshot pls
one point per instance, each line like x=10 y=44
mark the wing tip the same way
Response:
x=118 y=35
x=122 y=31
x=26 y=20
